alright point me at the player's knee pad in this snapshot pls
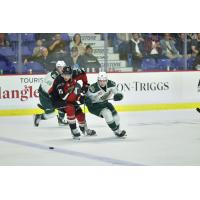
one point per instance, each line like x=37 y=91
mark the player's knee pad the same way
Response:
x=107 y=115
x=111 y=108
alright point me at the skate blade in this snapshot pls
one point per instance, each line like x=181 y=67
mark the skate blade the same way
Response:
x=76 y=138
x=86 y=135
x=90 y=135
x=123 y=137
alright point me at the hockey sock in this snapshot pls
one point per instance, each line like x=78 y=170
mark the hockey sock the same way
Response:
x=113 y=126
x=82 y=127
x=72 y=126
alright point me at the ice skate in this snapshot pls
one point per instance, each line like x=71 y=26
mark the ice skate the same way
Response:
x=37 y=119
x=76 y=134
x=86 y=131
x=62 y=122
x=90 y=132
x=120 y=133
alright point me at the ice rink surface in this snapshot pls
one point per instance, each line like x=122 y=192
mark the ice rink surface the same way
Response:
x=153 y=138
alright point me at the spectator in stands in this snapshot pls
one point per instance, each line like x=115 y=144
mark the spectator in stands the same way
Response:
x=45 y=37
x=192 y=36
x=89 y=62
x=136 y=49
x=2 y=39
x=58 y=45
x=37 y=51
x=40 y=53
x=152 y=47
x=196 y=63
x=41 y=57
x=196 y=45
x=180 y=42
x=75 y=60
x=78 y=43
x=168 y=47
x=57 y=49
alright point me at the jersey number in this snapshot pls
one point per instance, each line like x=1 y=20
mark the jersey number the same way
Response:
x=60 y=91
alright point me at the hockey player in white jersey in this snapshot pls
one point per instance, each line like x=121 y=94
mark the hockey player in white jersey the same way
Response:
x=97 y=102
x=45 y=98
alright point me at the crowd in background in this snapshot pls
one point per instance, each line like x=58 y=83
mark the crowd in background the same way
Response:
x=158 y=47
x=45 y=49
x=141 y=51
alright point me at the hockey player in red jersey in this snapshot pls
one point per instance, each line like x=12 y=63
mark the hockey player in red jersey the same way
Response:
x=66 y=92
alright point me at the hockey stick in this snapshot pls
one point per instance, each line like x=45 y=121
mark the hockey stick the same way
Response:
x=84 y=106
x=41 y=107
x=58 y=108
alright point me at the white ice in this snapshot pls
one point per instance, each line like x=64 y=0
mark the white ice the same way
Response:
x=153 y=138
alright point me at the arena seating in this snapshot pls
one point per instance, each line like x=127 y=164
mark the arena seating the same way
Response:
x=33 y=67
x=178 y=64
x=164 y=64
x=117 y=59
x=148 y=64
x=7 y=51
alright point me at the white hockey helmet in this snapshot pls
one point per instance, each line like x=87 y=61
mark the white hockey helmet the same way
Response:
x=60 y=63
x=102 y=76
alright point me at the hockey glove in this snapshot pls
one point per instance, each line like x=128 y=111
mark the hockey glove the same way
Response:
x=84 y=89
x=118 y=97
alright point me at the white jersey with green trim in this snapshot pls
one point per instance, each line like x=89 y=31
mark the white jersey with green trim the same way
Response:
x=49 y=80
x=98 y=95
